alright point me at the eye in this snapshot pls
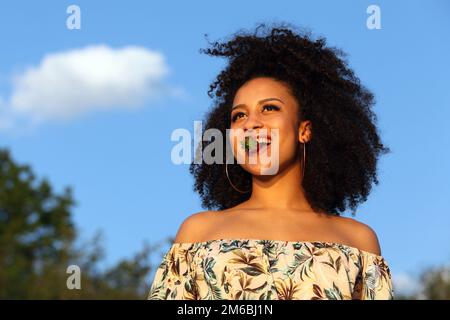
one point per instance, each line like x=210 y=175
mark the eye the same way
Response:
x=236 y=116
x=271 y=107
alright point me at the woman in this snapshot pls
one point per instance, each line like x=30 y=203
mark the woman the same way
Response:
x=282 y=236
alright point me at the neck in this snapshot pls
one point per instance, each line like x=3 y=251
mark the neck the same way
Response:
x=281 y=191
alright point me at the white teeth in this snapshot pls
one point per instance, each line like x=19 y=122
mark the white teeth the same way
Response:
x=263 y=140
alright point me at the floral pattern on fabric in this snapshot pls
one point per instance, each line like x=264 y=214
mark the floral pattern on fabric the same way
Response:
x=253 y=269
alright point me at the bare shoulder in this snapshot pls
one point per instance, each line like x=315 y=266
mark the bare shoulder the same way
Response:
x=194 y=226
x=363 y=236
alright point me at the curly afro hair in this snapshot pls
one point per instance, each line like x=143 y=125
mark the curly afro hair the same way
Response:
x=345 y=144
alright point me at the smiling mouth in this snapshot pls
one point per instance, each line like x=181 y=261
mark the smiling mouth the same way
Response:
x=250 y=144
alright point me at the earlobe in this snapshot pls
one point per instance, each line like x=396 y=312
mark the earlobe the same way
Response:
x=300 y=138
x=305 y=137
x=307 y=133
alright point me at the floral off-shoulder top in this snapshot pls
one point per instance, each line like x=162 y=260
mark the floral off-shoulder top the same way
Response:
x=244 y=269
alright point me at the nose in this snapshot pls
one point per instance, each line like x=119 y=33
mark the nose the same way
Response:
x=253 y=122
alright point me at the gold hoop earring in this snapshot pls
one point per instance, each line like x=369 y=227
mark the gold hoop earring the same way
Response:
x=304 y=161
x=234 y=187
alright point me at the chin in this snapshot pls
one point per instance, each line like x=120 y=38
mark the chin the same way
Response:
x=260 y=169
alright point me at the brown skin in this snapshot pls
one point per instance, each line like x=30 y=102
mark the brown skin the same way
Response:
x=277 y=208
x=281 y=191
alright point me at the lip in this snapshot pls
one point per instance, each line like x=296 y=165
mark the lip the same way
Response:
x=257 y=136
x=255 y=148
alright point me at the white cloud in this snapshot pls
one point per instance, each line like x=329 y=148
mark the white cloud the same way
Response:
x=65 y=85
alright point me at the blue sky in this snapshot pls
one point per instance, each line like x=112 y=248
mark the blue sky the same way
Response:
x=118 y=159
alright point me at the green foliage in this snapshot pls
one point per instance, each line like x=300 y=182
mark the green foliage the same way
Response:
x=38 y=243
x=433 y=283
x=35 y=229
x=436 y=283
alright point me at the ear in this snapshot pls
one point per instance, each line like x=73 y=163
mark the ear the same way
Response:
x=305 y=131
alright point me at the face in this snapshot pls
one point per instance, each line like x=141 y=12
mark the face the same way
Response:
x=264 y=107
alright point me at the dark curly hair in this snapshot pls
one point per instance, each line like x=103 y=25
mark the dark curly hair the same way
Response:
x=345 y=144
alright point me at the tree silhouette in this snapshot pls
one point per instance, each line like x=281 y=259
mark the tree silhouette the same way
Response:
x=37 y=244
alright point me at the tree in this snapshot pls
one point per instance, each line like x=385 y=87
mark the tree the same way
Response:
x=435 y=283
x=37 y=244
x=35 y=228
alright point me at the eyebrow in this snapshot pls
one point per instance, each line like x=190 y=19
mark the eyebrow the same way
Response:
x=260 y=101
